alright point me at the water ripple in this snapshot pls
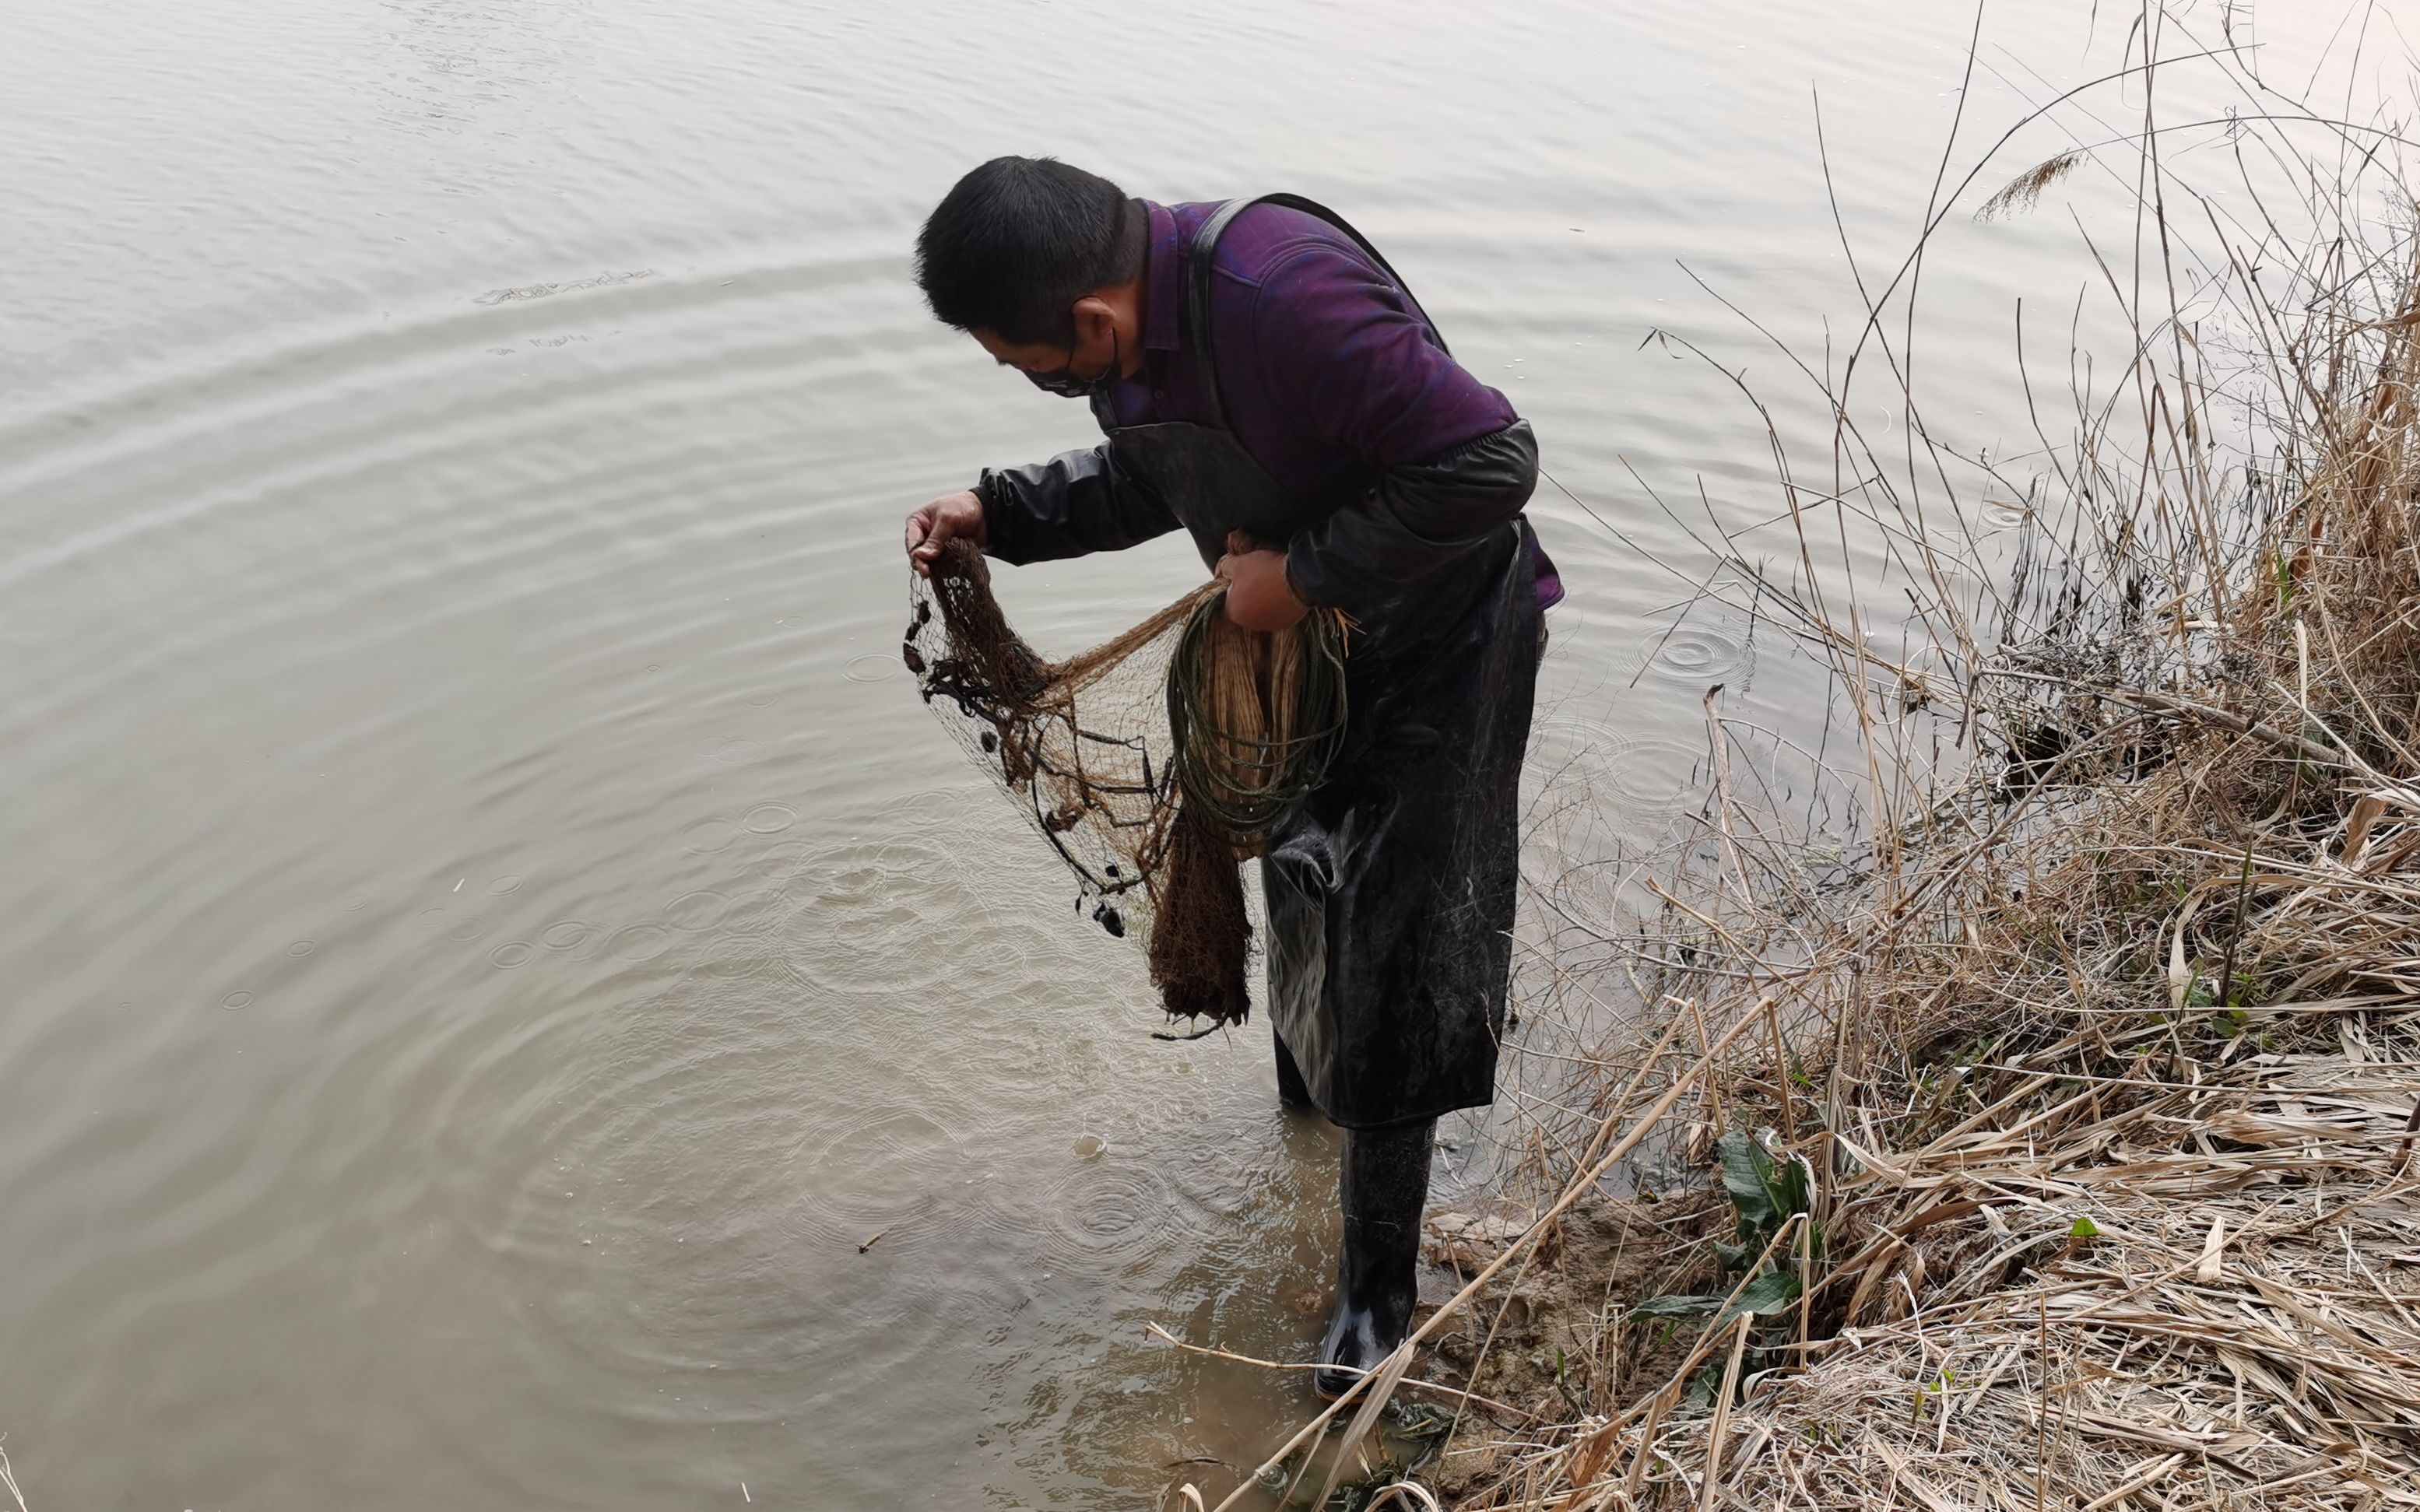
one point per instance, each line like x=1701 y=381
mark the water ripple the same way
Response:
x=1695 y=654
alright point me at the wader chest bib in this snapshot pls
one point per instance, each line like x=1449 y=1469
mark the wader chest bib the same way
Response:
x=1390 y=893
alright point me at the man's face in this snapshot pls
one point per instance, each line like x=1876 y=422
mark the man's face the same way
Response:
x=1089 y=358
x=1028 y=357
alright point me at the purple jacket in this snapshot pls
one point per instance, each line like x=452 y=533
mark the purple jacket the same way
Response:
x=1331 y=380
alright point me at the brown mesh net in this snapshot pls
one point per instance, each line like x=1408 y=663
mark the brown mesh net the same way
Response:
x=1154 y=764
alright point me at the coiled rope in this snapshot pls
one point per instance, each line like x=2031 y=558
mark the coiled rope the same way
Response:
x=1254 y=719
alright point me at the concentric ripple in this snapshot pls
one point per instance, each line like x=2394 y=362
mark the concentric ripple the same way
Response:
x=884 y=917
x=883 y=1168
x=1656 y=774
x=701 y=910
x=1114 y=1211
x=1697 y=654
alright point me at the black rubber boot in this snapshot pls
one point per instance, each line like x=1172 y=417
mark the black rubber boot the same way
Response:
x=1292 y=1092
x=1384 y=1187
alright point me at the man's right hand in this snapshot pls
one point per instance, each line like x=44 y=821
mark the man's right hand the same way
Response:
x=945 y=518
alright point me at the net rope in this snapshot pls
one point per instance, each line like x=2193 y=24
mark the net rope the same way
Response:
x=1155 y=763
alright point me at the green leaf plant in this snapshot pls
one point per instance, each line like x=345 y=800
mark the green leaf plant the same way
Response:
x=1768 y=1195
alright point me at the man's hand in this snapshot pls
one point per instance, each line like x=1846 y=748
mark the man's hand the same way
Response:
x=945 y=518
x=1257 y=595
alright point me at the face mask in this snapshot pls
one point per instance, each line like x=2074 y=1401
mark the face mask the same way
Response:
x=1061 y=381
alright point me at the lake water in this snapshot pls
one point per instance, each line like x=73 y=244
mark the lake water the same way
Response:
x=487 y=936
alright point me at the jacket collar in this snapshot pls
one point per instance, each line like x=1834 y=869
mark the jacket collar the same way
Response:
x=1163 y=281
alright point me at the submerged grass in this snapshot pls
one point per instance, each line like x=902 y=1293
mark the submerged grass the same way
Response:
x=2056 y=1143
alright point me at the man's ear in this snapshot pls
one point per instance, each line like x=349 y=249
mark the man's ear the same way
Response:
x=1095 y=321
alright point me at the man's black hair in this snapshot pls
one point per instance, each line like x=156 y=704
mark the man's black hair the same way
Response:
x=1019 y=240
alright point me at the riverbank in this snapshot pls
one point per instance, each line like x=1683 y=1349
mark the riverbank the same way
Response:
x=2056 y=1147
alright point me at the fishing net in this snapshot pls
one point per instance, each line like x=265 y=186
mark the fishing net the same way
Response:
x=1153 y=764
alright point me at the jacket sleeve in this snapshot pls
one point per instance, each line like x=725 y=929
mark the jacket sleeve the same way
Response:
x=1073 y=505
x=1415 y=520
x=1351 y=360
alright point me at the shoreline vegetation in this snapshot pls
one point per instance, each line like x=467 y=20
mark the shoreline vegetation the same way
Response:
x=2054 y=1145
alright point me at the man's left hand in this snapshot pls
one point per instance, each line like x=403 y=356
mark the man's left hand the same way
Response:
x=1257 y=595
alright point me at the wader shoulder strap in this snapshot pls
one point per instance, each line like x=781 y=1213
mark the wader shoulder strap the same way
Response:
x=1198 y=272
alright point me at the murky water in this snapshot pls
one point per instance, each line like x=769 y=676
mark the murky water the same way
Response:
x=506 y=999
